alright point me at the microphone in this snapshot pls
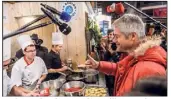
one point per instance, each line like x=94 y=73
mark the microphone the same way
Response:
x=117 y=8
x=113 y=46
x=63 y=27
x=63 y=15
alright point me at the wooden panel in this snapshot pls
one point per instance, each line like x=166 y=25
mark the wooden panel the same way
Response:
x=25 y=8
x=11 y=25
x=18 y=10
x=33 y=5
x=39 y=8
x=80 y=36
x=74 y=43
x=47 y=34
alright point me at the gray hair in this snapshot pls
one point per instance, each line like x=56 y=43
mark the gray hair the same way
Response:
x=130 y=23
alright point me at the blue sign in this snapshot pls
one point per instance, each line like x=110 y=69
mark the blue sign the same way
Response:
x=70 y=8
x=104 y=25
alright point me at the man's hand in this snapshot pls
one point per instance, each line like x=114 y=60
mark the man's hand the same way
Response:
x=91 y=62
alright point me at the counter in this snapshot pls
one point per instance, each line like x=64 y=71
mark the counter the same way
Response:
x=101 y=82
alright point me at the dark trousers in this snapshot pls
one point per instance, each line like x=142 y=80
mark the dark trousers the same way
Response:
x=110 y=83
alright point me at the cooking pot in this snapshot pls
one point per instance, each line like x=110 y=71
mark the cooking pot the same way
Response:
x=73 y=88
x=74 y=75
x=53 y=86
x=78 y=70
x=91 y=76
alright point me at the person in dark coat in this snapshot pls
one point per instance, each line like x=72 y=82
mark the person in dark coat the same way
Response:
x=150 y=86
x=112 y=56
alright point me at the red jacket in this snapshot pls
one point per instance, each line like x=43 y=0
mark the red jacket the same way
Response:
x=131 y=68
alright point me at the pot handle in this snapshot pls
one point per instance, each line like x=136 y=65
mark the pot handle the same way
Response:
x=62 y=73
x=70 y=69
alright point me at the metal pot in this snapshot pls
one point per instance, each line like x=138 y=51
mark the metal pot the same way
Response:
x=45 y=84
x=91 y=76
x=79 y=70
x=72 y=76
x=53 y=85
x=73 y=84
x=75 y=77
x=62 y=78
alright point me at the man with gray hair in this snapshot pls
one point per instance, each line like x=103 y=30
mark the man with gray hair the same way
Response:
x=145 y=56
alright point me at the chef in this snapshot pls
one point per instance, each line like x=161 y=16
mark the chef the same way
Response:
x=8 y=86
x=30 y=70
x=53 y=60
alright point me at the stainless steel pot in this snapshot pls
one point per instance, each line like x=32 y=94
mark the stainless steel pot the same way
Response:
x=73 y=84
x=44 y=85
x=62 y=78
x=75 y=77
x=91 y=76
x=53 y=85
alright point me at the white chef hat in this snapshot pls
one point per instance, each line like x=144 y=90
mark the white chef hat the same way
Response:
x=24 y=41
x=57 y=38
x=6 y=47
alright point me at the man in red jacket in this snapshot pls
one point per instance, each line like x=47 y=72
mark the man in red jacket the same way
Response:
x=145 y=56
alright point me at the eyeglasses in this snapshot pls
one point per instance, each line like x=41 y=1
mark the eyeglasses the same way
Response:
x=29 y=51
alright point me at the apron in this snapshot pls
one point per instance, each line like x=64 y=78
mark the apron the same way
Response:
x=7 y=83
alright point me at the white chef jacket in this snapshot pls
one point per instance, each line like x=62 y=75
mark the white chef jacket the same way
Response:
x=26 y=75
x=7 y=83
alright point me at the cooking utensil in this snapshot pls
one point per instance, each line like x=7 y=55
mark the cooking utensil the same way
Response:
x=62 y=78
x=44 y=85
x=53 y=86
x=76 y=71
x=91 y=76
x=73 y=84
x=62 y=73
x=75 y=77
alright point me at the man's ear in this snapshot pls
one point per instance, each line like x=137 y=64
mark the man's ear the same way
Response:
x=133 y=36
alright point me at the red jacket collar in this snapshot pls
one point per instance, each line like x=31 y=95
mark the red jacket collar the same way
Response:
x=27 y=61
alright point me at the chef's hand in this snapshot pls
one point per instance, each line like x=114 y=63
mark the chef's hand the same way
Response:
x=37 y=88
x=65 y=68
x=32 y=93
x=51 y=70
x=63 y=64
x=91 y=63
